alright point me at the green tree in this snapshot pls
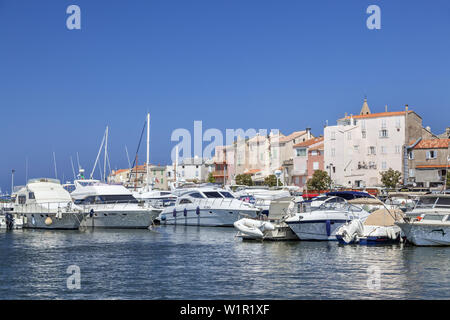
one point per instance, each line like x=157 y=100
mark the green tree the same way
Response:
x=319 y=181
x=448 y=180
x=211 y=178
x=390 y=178
x=271 y=181
x=244 y=179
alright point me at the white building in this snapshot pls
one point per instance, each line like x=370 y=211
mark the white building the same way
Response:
x=190 y=170
x=359 y=147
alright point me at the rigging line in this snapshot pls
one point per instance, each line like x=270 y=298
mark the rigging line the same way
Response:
x=139 y=145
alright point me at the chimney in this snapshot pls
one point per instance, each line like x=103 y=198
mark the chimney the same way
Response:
x=308 y=133
x=406 y=107
x=385 y=108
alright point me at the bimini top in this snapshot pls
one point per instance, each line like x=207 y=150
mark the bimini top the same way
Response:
x=349 y=195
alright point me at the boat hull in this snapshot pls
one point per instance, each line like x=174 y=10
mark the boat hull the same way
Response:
x=422 y=234
x=67 y=221
x=204 y=217
x=316 y=230
x=120 y=219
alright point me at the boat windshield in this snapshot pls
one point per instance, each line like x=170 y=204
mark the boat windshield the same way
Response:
x=435 y=201
x=120 y=198
x=226 y=194
x=213 y=194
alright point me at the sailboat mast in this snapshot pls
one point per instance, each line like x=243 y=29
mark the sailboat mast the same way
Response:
x=106 y=154
x=148 y=149
x=54 y=161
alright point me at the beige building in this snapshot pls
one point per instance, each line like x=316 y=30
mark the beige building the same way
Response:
x=429 y=160
x=362 y=146
x=259 y=156
x=137 y=177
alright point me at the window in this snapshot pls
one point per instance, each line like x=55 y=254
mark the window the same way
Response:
x=363 y=134
x=383 y=133
x=356 y=148
x=213 y=194
x=316 y=165
x=314 y=153
x=185 y=201
x=383 y=165
x=22 y=199
x=397 y=149
x=411 y=155
x=196 y=173
x=333 y=152
x=31 y=195
x=383 y=150
x=301 y=152
x=412 y=173
x=363 y=124
x=226 y=194
x=371 y=150
x=333 y=135
x=397 y=123
x=383 y=123
x=196 y=195
x=349 y=136
x=431 y=154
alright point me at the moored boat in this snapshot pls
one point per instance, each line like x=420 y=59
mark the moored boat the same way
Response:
x=45 y=204
x=428 y=223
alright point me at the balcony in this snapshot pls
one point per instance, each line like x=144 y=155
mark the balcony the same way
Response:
x=218 y=173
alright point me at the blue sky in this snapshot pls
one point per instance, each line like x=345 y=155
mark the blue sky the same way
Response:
x=232 y=64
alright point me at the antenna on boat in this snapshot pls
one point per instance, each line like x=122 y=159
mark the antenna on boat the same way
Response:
x=78 y=162
x=54 y=161
x=26 y=170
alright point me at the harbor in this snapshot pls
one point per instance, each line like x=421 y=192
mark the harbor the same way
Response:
x=207 y=156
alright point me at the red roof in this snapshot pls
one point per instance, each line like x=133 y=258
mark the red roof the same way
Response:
x=379 y=115
x=433 y=144
x=309 y=142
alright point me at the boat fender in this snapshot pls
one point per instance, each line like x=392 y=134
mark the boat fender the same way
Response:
x=48 y=221
x=185 y=212
x=197 y=211
x=174 y=212
x=328 y=226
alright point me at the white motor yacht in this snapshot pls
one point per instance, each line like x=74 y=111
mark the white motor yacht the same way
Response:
x=207 y=206
x=111 y=206
x=45 y=204
x=428 y=223
x=321 y=223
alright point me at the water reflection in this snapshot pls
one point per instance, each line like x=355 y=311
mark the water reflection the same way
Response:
x=186 y=262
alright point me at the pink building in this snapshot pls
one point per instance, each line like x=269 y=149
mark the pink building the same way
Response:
x=308 y=157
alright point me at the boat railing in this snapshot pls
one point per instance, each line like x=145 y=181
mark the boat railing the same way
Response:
x=46 y=207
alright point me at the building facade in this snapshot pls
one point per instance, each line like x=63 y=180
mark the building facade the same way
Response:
x=308 y=156
x=360 y=147
x=429 y=160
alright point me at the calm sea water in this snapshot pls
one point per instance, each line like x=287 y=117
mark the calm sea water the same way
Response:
x=210 y=263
